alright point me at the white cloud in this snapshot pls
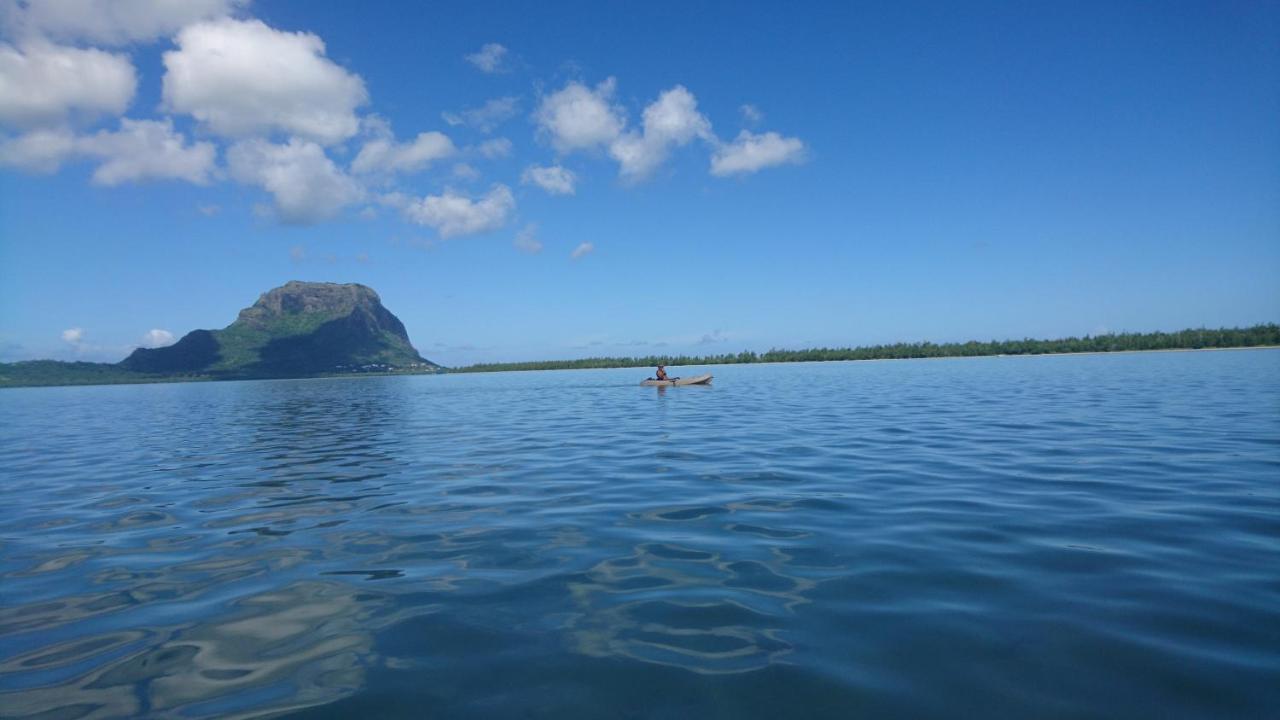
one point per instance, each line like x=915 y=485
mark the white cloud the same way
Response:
x=307 y=186
x=395 y=199
x=670 y=121
x=527 y=239
x=157 y=338
x=41 y=151
x=42 y=84
x=73 y=335
x=387 y=156
x=555 y=179
x=582 y=250
x=376 y=126
x=209 y=210
x=750 y=152
x=463 y=171
x=489 y=58
x=495 y=148
x=242 y=78
x=674 y=118
x=751 y=114
x=452 y=214
x=579 y=118
x=487 y=117
x=139 y=150
x=147 y=150
x=108 y=22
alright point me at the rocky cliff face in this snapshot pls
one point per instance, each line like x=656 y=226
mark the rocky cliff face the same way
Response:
x=302 y=298
x=295 y=330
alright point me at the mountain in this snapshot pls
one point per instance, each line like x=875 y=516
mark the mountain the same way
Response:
x=296 y=330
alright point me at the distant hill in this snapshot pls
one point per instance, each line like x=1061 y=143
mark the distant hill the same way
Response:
x=295 y=330
x=301 y=329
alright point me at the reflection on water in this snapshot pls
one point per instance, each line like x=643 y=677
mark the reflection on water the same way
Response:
x=303 y=644
x=687 y=608
x=1005 y=537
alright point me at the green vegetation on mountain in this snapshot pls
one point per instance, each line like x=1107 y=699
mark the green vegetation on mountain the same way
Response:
x=1256 y=336
x=298 y=330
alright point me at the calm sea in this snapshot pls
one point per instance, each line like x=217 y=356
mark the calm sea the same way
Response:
x=1088 y=536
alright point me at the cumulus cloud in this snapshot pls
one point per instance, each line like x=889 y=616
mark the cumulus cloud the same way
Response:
x=156 y=337
x=387 y=156
x=750 y=152
x=305 y=183
x=452 y=214
x=489 y=58
x=527 y=240
x=139 y=150
x=73 y=335
x=463 y=171
x=487 y=117
x=580 y=118
x=582 y=250
x=674 y=118
x=670 y=121
x=241 y=78
x=395 y=199
x=751 y=114
x=147 y=150
x=555 y=179
x=109 y=22
x=43 y=84
x=41 y=151
x=495 y=148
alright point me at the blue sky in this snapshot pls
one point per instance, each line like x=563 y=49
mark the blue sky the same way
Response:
x=527 y=181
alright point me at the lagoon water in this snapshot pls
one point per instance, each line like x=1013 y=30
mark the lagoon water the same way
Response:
x=1075 y=536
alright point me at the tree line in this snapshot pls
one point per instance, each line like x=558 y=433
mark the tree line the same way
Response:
x=1191 y=339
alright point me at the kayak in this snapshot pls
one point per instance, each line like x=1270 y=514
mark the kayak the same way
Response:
x=695 y=380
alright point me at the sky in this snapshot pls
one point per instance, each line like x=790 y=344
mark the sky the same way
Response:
x=566 y=179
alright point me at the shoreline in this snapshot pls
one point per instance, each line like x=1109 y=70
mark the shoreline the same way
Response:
x=1046 y=354
x=868 y=360
x=352 y=376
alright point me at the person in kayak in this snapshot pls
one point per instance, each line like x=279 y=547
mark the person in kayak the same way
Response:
x=661 y=374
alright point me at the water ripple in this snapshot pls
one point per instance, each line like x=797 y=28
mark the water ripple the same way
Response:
x=1004 y=537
